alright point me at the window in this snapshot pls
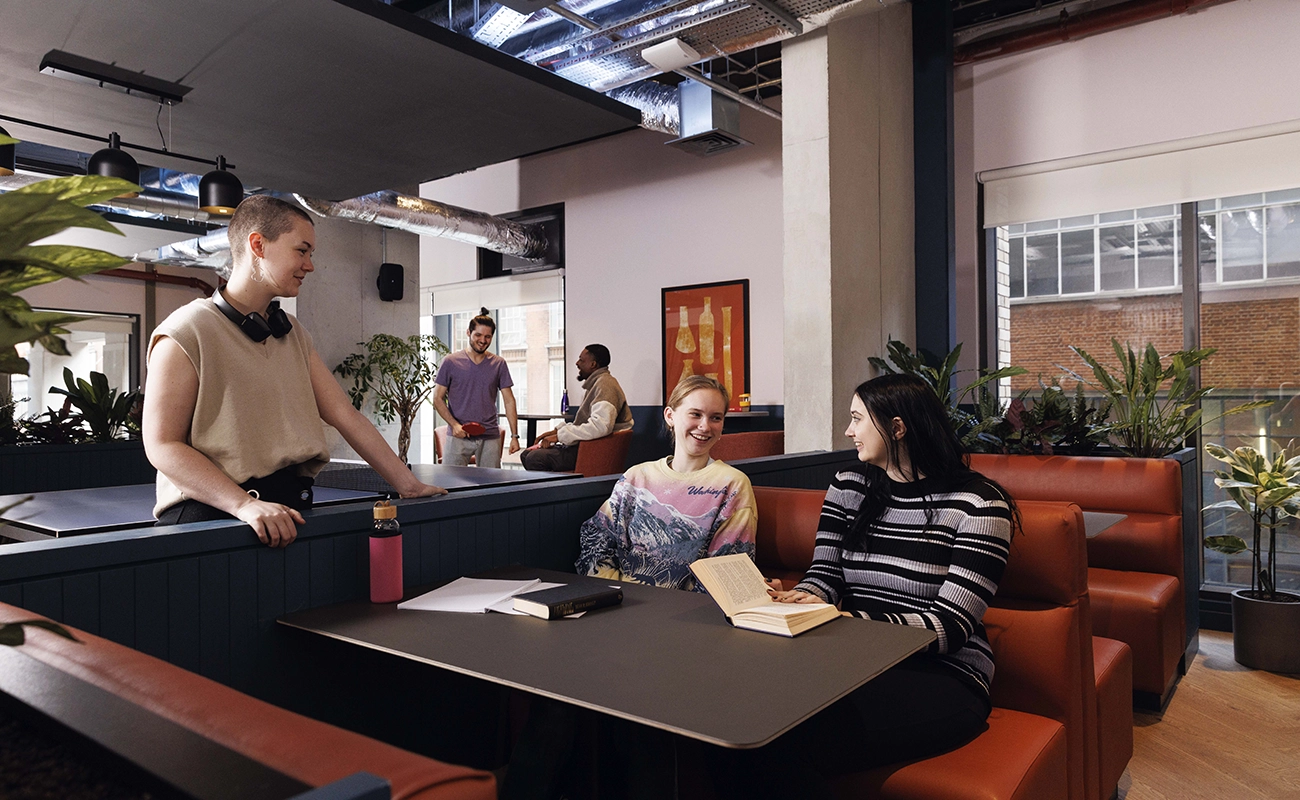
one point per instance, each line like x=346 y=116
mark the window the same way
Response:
x=511 y=329
x=1113 y=252
x=1081 y=281
x=529 y=338
x=101 y=343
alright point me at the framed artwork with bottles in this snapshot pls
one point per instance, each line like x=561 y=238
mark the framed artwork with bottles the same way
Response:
x=706 y=332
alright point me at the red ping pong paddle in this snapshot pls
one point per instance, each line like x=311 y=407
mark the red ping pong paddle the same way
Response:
x=474 y=428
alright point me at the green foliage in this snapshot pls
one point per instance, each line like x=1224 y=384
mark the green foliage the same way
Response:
x=940 y=375
x=1050 y=423
x=28 y=215
x=53 y=427
x=397 y=375
x=1156 y=406
x=104 y=410
x=1260 y=487
x=12 y=633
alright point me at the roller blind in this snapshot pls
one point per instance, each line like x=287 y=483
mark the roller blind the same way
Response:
x=504 y=292
x=1245 y=161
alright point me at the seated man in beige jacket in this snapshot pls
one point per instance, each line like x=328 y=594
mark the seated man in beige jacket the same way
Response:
x=604 y=410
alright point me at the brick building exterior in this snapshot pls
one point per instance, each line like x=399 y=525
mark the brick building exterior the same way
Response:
x=1258 y=339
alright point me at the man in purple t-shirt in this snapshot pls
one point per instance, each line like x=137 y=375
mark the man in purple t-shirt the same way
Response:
x=465 y=394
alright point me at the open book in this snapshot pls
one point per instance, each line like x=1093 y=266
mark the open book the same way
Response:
x=738 y=587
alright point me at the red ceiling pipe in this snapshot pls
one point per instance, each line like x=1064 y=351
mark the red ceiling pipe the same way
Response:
x=1069 y=28
x=157 y=277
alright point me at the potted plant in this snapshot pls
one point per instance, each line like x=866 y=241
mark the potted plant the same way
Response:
x=398 y=374
x=28 y=215
x=1265 y=621
x=1145 y=424
x=1051 y=424
x=941 y=375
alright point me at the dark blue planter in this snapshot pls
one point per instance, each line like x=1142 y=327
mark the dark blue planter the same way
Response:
x=51 y=467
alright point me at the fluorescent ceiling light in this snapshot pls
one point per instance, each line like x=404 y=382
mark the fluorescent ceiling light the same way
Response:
x=499 y=24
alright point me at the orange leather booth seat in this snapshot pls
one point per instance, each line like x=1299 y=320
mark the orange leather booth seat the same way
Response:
x=1135 y=567
x=751 y=444
x=313 y=752
x=1043 y=737
x=1062 y=697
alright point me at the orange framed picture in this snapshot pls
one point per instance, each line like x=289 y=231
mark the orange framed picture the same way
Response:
x=706 y=332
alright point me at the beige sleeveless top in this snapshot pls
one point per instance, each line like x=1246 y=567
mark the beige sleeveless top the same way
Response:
x=255 y=412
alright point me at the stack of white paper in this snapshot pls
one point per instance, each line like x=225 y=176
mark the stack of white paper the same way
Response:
x=474 y=596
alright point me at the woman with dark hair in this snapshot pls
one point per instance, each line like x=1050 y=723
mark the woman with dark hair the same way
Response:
x=912 y=537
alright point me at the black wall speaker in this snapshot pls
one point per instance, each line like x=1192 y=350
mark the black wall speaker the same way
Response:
x=390 y=282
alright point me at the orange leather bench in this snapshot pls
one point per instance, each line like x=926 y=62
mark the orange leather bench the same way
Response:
x=312 y=752
x=1062 y=725
x=1135 y=567
x=750 y=444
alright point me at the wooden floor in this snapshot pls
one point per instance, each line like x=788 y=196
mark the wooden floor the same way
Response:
x=1228 y=733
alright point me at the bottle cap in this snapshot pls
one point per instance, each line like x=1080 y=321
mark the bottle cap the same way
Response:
x=385 y=510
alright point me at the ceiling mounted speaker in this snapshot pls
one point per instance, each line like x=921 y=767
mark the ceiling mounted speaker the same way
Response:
x=112 y=162
x=8 y=155
x=219 y=191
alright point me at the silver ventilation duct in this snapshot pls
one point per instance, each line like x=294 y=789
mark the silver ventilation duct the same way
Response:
x=206 y=252
x=403 y=212
x=174 y=206
x=710 y=122
x=386 y=209
x=660 y=109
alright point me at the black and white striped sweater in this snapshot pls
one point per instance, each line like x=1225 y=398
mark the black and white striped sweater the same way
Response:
x=938 y=574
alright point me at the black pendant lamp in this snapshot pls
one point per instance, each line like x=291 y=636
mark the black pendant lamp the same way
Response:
x=219 y=191
x=112 y=162
x=8 y=154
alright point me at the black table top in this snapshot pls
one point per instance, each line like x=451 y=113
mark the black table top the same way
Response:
x=79 y=511
x=363 y=478
x=72 y=512
x=663 y=658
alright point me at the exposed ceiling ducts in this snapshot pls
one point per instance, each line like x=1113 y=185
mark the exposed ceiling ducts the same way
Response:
x=385 y=209
x=429 y=218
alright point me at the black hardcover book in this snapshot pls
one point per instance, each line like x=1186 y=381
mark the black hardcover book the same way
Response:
x=572 y=598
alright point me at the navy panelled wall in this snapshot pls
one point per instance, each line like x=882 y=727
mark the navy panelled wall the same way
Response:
x=206 y=596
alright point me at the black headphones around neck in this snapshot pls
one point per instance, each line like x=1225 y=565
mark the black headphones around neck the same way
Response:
x=253 y=325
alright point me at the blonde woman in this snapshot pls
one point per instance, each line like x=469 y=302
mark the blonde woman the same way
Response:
x=665 y=514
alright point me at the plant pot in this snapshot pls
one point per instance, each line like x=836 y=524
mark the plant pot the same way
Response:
x=52 y=467
x=1266 y=633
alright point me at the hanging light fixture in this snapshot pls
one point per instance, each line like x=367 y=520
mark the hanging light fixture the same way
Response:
x=219 y=191
x=113 y=162
x=8 y=153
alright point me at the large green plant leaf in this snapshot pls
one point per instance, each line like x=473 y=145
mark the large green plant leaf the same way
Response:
x=83 y=190
x=50 y=262
x=27 y=218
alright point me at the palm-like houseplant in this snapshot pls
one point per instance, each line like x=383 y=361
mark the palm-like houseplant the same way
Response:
x=1155 y=406
x=1266 y=622
x=397 y=374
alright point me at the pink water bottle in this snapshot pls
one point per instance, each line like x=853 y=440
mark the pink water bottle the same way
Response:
x=386 y=555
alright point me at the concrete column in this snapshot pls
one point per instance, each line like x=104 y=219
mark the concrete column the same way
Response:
x=339 y=303
x=848 y=209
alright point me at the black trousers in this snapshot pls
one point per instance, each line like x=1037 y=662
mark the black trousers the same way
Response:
x=284 y=486
x=917 y=709
x=551 y=459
